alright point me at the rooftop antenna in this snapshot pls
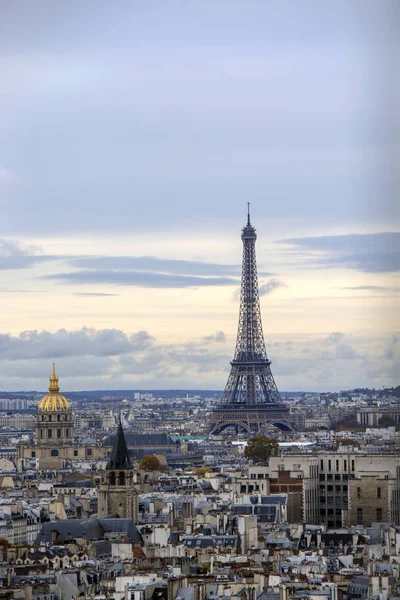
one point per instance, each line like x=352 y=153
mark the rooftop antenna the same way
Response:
x=248 y=213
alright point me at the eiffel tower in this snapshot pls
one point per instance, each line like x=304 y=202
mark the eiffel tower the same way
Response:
x=251 y=399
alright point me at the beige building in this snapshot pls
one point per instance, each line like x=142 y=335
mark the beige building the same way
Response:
x=371 y=416
x=369 y=499
x=54 y=440
x=329 y=485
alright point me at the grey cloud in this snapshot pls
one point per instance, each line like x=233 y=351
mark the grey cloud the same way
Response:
x=370 y=253
x=132 y=270
x=219 y=337
x=371 y=288
x=43 y=344
x=270 y=286
x=16 y=248
x=392 y=351
x=113 y=359
x=154 y=264
x=16 y=255
x=139 y=278
x=335 y=337
x=23 y=262
x=93 y=294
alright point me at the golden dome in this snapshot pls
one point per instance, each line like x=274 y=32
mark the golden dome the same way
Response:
x=53 y=401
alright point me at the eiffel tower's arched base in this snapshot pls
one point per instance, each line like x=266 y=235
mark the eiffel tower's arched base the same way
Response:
x=250 y=419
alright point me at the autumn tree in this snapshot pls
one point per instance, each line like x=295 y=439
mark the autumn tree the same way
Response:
x=202 y=471
x=260 y=447
x=149 y=463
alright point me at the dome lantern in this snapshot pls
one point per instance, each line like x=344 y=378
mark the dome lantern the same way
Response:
x=54 y=401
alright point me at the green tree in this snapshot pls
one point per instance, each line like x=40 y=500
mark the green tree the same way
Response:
x=260 y=447
x=149 y=463
x=386 y=421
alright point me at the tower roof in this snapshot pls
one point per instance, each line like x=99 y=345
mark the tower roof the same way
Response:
x=248 y=231
x=120 y=458
x=54 y=401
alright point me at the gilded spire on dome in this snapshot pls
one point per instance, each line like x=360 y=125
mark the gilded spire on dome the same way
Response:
x=53 y=387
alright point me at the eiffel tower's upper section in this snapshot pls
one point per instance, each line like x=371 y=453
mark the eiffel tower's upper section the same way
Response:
x=250 y=345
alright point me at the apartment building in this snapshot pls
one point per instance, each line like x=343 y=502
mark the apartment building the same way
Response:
x=341 y=488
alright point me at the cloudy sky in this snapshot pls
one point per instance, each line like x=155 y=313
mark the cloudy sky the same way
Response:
x=132 y=135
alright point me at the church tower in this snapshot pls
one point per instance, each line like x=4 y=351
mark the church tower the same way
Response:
x=116 y=494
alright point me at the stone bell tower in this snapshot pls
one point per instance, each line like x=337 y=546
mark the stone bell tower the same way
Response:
x=117 y=494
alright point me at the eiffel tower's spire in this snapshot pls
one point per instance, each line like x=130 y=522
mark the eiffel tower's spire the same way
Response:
x=119 y=458
x=251 y=398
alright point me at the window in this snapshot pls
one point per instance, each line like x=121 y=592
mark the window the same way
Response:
x=54 y=453
x=58 y=433
x=322 y=464
x=58 y=417
x=112 y=478
x=337 y=488
x=330 y=488
x=379 y=514
x=352 y=465
x=66 y=433
x=322 y=477
x=75 y=452
x=89 y=451
x=50 y=419
x=337 y=476
x=359 y=516
x=378 y=492
x=329 y=477
x=345 y=464
x=358 y=492
x=33 y=454
x=337 y=465
x=49 y=433
x=121 y=478
x=329 y=465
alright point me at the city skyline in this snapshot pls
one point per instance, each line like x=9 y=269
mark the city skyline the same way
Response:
x=131 y=143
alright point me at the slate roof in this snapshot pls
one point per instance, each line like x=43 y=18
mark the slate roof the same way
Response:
x=208 y=541
x=89 y=529
x=152 y=440
x=119 y=458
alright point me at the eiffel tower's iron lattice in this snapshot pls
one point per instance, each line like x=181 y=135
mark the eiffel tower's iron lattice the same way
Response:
x=251 y=398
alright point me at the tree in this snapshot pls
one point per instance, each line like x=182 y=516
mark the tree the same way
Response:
x=386 y=421
x=149 y=463
x=346 y=442
x=260 y=447
x=202 y=471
